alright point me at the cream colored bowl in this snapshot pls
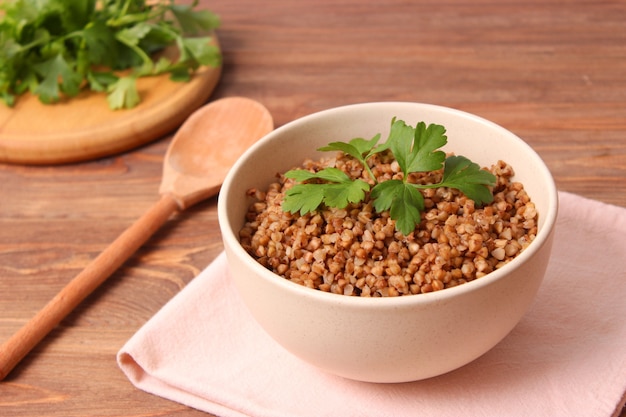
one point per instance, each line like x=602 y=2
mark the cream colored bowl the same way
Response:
x=387 y=339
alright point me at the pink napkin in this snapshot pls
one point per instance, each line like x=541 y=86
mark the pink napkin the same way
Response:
x=567 y=357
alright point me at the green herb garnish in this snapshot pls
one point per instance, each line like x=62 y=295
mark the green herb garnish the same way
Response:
x=416 y=149
x=55 y=48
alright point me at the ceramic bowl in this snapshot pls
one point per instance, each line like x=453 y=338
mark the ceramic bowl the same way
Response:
x=394 y=339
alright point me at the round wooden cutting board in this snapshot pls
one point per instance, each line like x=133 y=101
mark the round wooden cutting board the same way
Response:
x=84 y=128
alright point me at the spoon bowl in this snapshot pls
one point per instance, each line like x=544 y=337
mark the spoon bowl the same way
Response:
x=208 y=144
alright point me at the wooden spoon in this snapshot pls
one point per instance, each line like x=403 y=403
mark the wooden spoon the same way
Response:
x=200 y=155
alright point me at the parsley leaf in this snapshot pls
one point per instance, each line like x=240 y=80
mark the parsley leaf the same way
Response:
x=415 y=149
x=197 y=51
x=52 y=71
x=358 y=148
x=338 y=190
x=194 y=21
x=123 y=93
x=404 y=202
x=467 y=177
x=341 y=194
x=303 y=198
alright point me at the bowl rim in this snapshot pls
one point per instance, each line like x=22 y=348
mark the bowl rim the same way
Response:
x=542 y=238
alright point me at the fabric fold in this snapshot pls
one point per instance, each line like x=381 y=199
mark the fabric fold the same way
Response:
x=566 y=357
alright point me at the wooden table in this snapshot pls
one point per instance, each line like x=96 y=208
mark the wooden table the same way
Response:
x=552 y=71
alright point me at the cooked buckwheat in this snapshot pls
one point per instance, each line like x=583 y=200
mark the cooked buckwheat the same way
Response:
x=356 y=251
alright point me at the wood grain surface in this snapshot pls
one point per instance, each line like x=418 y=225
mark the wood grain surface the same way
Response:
x=552 y=71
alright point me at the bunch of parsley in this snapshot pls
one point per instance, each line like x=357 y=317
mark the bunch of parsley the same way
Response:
x=55 y=48
x=416 y=149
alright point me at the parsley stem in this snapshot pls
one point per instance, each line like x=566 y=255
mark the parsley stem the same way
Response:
x=369 y=172
x=142 y=54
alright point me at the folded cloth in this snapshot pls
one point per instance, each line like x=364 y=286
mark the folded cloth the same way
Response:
x=567 y=357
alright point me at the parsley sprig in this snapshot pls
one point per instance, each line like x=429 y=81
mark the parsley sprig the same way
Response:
x=416 y=149
x=55 y=48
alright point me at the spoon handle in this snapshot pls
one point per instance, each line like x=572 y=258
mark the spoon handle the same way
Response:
x=25 y=339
